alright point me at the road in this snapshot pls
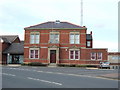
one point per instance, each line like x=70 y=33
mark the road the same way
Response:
x=57 y=77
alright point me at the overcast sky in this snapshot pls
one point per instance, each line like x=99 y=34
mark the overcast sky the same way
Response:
x=99 y=16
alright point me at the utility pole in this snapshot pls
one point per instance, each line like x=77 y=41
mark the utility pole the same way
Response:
x=81 y=13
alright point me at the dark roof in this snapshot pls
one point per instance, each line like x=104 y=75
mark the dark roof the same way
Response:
x=15 y=48
x=55 y=25
x=8 y=38
x=88 y=36
x=113 y=53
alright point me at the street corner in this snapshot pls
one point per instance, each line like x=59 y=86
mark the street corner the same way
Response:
x=111 y=76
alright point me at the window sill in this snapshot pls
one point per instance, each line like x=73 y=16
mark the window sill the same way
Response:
x=96 y=60
x=34 y=58
x=74 y=59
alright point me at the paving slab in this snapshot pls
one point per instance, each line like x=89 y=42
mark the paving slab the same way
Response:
x=111 y=76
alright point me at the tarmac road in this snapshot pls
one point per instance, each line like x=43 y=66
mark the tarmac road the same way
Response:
x=57 y=77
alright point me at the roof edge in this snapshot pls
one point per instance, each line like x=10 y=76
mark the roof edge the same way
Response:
x=53 y=28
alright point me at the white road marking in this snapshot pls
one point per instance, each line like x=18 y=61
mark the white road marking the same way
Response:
x=59 y=73
x=8 y=74
x=39 y=71
x=44 y=81
x=48 y=72
x=34 y=67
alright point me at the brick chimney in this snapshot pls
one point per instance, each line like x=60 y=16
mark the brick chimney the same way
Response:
x=91 y=33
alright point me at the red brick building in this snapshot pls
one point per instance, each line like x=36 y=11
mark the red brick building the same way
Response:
x=11 y=49
x=61 y=43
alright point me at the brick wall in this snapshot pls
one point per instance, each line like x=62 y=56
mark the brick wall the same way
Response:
x=64 y=46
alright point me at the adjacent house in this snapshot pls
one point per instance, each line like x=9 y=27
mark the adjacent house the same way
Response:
x=11 y=49
x=114 y=59
x=57 y=42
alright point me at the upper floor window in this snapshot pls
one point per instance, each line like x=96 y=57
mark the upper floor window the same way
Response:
x=54 y=37
x=34 y=53
x=74 y=54
x=34 y=38
x=74 y=38
x=88 y=43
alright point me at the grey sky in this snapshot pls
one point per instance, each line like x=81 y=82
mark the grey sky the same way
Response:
x=100 y=16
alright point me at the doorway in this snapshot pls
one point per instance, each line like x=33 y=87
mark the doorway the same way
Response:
x=15 y=59
x=52 y=56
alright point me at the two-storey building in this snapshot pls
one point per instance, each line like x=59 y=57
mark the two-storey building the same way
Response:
x=61 y=43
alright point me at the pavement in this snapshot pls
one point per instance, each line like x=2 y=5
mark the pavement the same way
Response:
x=112 y=76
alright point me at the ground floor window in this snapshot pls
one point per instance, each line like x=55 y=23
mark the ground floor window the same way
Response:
x=74 y=54
x=99 y=56
x=15 y=59
x=93 y=56
x=96 y=56
x=34 y=53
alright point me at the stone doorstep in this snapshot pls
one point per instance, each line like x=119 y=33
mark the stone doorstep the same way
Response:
x=52 y=65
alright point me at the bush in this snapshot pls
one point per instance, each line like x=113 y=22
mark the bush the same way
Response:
x=73 y=65
x=86 y=66
x=81 y=65
x=34 y=64
x=66 y=65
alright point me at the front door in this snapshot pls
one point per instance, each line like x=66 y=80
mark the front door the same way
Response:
x=15 y=59
x=52 y=56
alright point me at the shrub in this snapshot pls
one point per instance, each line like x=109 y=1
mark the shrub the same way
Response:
x=34 y=64
x=73 y=65
x=86 y=66
x=81 y=65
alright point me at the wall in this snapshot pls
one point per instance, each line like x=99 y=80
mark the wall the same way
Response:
x=64 y=36
x=64 y=47
x=44 y=42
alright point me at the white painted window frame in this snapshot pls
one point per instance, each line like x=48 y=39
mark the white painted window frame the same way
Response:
x=34 y=53
x=58 y=37
x=35 y=33
x=74 y=54
x=74 y=33
x=101 y=56
x=88 y=43
x=91 y=55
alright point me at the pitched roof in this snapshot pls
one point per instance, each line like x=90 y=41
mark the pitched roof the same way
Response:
x=15 y=48
x=88 y=36
x=8 y=38
x=55 y=25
